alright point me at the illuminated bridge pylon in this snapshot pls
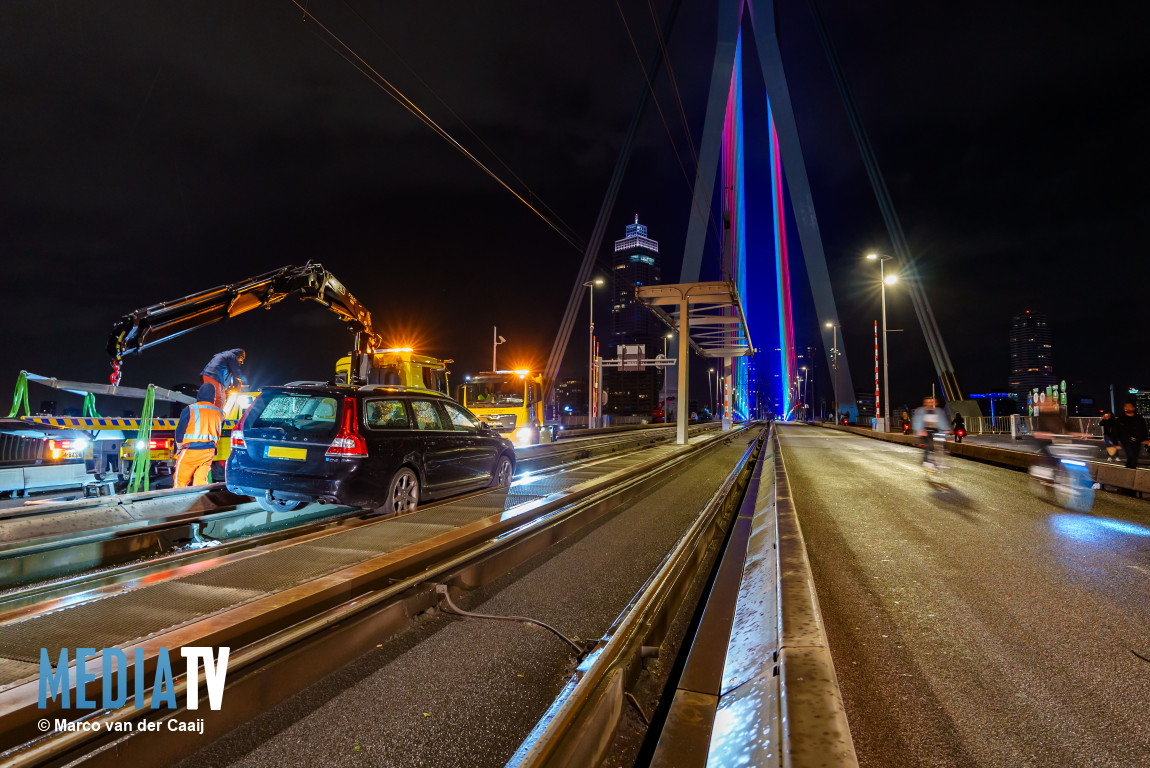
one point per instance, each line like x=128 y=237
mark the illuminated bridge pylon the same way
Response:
x=723 y=140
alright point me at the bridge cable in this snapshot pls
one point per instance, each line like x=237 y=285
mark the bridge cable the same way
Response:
x=391 y=90
x=944 y=368
x=534 y=196
x=662 y=117
x=574 y=300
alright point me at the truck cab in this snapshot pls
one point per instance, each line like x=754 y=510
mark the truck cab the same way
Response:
x=510 y=401
x=399 y=367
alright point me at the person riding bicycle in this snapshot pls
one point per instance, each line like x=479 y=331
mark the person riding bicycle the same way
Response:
x=958 y=424
x=928 y=420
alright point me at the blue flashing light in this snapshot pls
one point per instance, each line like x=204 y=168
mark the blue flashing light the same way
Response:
x=1074 y=463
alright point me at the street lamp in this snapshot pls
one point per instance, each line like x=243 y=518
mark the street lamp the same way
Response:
x=590 y=285
x=665 y=339
x=804 y=401
x=710 y=396
x=835 y=366
x=884 y=281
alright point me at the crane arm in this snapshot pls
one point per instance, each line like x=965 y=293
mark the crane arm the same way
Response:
x=149 y=326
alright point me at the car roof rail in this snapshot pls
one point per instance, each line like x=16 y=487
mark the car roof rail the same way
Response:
x=399 y=388
x=307 y=384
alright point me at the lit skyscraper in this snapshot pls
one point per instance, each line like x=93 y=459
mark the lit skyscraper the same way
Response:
x=636 y=262
x=1031 y=354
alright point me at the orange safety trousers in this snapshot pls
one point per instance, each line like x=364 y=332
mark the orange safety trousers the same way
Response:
x=219 y=402
x=194 y=466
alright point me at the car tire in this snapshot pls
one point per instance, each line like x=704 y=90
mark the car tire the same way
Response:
x=278 y=505
x=504 y=469
x=402 y=492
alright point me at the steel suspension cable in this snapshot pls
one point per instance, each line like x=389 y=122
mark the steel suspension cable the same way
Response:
x=395 y=93
x=534 y=196
x=559 y=347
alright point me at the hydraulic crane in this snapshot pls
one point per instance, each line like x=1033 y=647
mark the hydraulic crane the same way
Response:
x=149 y=326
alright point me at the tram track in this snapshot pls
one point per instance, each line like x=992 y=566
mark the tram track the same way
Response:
x=368 y=597
x=40 y=543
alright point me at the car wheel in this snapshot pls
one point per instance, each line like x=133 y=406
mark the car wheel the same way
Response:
x=403 y=493
x=504 y=469
x=278 y=505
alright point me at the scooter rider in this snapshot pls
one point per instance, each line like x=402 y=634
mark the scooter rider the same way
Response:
x=958 y=424
x=928 y=420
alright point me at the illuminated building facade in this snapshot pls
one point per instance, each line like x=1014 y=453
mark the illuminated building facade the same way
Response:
x=1031 y=354
x=635 y=263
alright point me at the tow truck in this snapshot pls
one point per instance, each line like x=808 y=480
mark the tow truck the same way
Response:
x=368 y=362
x=510 y=401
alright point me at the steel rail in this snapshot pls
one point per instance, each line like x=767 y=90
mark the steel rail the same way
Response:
x=577 y=730
x=414 y=579
x=137 y=538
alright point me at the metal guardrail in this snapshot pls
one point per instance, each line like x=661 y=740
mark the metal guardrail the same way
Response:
x=759 y=686
x=579 y=727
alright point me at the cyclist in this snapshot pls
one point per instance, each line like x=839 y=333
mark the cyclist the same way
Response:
x=928 y=420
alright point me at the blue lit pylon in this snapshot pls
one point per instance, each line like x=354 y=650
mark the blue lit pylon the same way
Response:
x=723 y=128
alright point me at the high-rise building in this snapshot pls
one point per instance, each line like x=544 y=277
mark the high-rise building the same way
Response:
x=1031 y=354
x=635 y=263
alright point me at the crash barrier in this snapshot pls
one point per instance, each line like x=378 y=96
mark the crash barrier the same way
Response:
x=759 y=685
x=1106 y=474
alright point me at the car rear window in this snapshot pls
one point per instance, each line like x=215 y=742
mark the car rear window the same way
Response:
x=386 y=414
x=299 y=412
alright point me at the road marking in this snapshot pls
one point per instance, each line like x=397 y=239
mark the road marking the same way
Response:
x=1139 y=568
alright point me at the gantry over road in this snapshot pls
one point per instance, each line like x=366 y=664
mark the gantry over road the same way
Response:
x=972 y=624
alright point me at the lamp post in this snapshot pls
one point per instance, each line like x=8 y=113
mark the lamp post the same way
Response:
x=711 y=396
x=804 y=402
x=884 y=281
x=590 y=285
x=835 y=366
x=590 y=373
x=666 y=338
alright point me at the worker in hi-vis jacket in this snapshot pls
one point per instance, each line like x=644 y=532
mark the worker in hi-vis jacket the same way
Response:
x=196 y=435
x=223 y=371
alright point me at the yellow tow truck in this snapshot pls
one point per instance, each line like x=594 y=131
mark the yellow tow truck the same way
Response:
x=401 y=367
x=510 y=401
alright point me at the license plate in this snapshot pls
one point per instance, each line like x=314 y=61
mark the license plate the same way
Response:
x=277 y=452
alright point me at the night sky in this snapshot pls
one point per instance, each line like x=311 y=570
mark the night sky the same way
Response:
x=150 y=150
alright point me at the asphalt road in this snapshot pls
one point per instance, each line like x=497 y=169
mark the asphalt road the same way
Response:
x=972 y=624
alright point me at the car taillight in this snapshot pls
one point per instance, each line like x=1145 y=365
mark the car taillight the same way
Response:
x=237 y=436
x=155 y=445
x=348 y=443
x=60 y=445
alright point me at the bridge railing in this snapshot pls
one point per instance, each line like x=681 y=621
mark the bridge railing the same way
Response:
x=1000 y=425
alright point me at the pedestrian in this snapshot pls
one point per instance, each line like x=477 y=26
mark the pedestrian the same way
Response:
x=1130 y=430
x=1108 y=439
x=197 y=433
x=223 y=372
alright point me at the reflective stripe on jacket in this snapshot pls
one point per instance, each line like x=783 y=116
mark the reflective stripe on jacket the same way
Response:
x=205 y=422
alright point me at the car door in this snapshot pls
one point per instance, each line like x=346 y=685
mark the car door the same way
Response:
x=443 y=448
x=480 y=452
x=391 y=437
